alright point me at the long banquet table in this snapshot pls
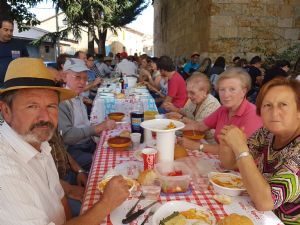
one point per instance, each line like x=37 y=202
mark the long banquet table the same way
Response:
x=106 y=158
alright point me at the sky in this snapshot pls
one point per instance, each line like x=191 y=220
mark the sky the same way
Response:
x=143 y=23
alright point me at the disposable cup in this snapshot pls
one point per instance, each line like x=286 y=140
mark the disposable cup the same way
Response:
x=149 y=158
x=152 y=190
x=160 y=116
x=135 y=138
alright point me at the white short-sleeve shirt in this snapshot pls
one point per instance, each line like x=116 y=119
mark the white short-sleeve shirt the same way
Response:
x=30 y=191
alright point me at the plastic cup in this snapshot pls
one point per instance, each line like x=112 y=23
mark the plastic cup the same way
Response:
x=152 y=190
x=149 y=158
x=136 y=139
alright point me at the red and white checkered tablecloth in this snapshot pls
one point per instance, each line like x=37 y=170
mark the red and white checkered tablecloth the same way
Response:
x=106 y=158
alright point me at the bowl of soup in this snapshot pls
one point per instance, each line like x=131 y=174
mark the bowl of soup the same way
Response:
x=119 y=143
x=226 y=183
x=193 y=134
x=116 y=116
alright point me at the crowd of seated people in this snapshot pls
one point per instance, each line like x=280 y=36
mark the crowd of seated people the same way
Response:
x=249 y=115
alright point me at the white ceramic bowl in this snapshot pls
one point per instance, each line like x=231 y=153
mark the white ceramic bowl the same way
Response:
x=216 y=179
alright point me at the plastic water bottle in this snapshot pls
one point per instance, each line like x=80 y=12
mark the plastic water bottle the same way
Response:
x=125 y=81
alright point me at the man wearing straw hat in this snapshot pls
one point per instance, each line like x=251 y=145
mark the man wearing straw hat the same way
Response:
x=30 y=191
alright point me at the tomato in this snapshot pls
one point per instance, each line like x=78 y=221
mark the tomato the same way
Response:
x=175 y=173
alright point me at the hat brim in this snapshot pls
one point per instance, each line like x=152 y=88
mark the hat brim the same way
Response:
x=64 y=93
x=195 y=54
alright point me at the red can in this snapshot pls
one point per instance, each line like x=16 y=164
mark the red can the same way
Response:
x=149 y=158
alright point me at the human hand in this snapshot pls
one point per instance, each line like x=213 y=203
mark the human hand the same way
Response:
x=169 y=106
x=115 y=192
x=75 y=192
x=234 y=138
x=81 y=179
x=188 y=143
x=173 y=115
x=97 y=81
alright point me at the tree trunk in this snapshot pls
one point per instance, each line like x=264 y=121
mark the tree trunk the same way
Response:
x=91 y=47
x=101 y=42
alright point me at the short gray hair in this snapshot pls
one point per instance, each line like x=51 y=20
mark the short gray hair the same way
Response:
x=238 y=73
x=198 y=77
x=8 y=97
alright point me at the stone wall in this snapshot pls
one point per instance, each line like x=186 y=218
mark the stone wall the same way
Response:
x=225 y=27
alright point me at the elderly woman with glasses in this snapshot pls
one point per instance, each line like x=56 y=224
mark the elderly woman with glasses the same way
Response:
x=200 y=103
x=232 y=86
x=269 y=161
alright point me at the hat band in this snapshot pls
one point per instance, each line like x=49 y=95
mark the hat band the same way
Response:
x=28 y=81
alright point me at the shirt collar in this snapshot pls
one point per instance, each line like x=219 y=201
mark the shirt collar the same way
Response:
x=242 y=108
x=21 y=147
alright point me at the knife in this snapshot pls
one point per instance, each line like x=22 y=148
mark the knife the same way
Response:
x=135 y=215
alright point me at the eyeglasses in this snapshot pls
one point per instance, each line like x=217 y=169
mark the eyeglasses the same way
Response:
x=79 y=78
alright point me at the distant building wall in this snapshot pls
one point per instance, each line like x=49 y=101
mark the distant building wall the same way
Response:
x=225 y=27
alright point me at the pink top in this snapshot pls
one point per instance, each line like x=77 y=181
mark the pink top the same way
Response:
x=177 y=90
x=244 y=117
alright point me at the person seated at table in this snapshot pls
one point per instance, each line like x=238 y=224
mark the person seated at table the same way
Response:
x=30 y=189
x=74 y=124
x=177 y=95
x=269 y=160
x=232 y=85
x=200 y=104
x=125 y=66
x=72 y=177
x=144 y=68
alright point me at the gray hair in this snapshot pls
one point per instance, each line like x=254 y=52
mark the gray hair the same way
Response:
x=197 y=78
x=238 y=73
x=8 y=97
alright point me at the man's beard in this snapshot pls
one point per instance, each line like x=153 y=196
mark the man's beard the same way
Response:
x=38 y=138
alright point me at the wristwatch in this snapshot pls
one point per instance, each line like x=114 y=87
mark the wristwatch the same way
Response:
x=201 y=147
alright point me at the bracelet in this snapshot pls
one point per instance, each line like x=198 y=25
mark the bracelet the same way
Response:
x=242 y=155
x=81 y=171
x=201 y=147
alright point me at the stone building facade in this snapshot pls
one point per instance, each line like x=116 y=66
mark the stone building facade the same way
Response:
x=225 y=27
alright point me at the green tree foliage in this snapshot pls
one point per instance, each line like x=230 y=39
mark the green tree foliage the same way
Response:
x=18 y=11
x=99 y=16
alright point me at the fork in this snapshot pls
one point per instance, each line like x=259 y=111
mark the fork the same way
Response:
x=152 y=211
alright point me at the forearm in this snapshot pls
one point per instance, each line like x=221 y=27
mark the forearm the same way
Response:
x=210 y=148
x=227 y=158
x=74 y=165
x=93 y=216
x=256 y=185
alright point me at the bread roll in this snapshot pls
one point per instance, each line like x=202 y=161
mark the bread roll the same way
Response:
x=235 y=219
x=125 y=133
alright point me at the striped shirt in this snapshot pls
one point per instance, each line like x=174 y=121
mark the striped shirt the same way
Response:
x=281 y=168
x=30 y=192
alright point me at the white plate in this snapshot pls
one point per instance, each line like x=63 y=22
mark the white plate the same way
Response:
x=159 y=125
x=129 y=169
x=169 y=207
x=119 y=213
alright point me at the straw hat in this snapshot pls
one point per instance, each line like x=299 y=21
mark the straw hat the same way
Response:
x=23 y=73
x=107 y=58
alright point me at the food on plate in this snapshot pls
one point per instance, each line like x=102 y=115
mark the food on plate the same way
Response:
x=224 y=199
x=227 y=181
x=147 y=177
x=120 y=96
x=125 y=133
x=130 y=182
x=183 y=217
x=235 y=219
x=179 y=152
x=194 y=214
x=170 y=126
x=174 y=219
